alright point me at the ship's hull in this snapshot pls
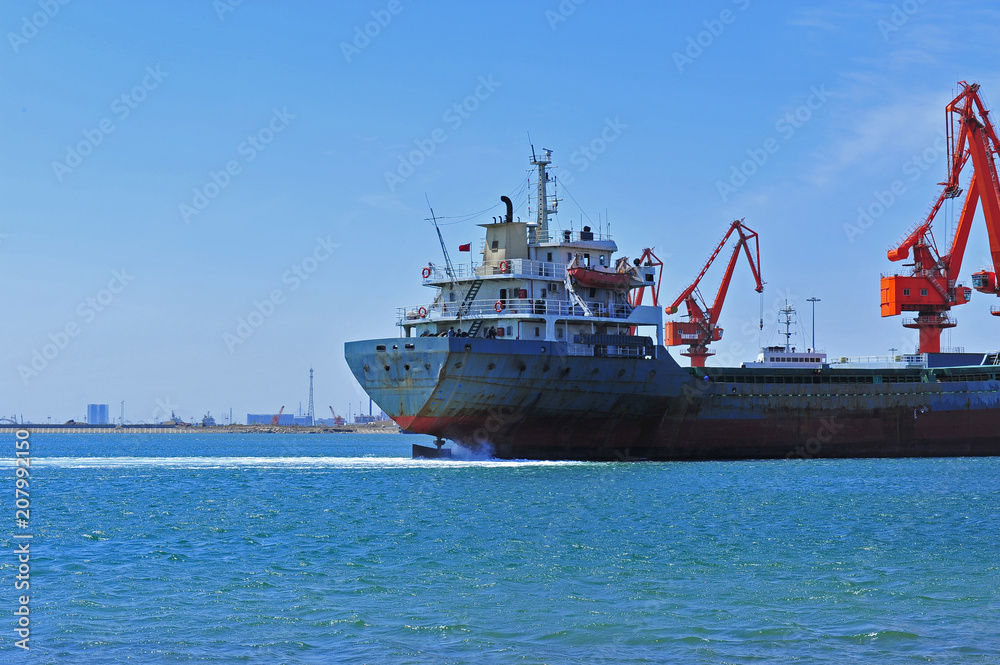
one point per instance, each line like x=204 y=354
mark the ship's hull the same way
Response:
x=532 y=400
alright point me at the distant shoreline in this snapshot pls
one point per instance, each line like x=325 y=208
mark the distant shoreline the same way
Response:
x=378 y=427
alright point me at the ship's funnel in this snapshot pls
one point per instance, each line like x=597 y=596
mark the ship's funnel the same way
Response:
x=510 y=209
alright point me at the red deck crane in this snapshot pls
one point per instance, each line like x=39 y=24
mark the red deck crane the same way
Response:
x=702 y=328
x=649 y=259
x=277 y=417
x=931 y=289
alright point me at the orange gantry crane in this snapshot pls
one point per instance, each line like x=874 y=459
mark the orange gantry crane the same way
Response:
x=277 y=417
x=931 y=289
x=702 y=327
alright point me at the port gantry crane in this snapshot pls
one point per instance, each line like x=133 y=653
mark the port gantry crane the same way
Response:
x=702 y=327
x=932 y=289
x=277 y=417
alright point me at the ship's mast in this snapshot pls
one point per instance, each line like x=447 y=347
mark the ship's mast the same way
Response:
x=542 y=229
x=788 y=311
x=444 y=249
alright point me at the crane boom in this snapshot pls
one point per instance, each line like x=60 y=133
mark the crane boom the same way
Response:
x=277 y=417
x=702 y=328
x=970 y=136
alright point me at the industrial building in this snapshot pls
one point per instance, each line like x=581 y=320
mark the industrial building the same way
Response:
x=97 y=414
x=266 y=418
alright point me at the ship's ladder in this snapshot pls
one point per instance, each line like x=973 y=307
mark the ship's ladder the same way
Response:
x=463 y=309
x=474 y=328
x=574 y=296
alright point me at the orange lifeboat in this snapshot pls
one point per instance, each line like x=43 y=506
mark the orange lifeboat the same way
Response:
x=600 y=278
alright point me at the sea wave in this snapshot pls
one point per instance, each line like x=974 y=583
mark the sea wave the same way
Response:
x=277 y=462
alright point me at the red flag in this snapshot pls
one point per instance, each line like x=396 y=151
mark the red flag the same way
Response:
x=465 y=248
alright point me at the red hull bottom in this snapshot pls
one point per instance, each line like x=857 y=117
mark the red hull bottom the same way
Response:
x=900 y=433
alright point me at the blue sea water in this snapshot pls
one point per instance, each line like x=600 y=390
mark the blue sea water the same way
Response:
x=221 y=548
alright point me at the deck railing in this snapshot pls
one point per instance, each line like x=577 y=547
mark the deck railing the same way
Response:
x=511 y=267
x=512 y=306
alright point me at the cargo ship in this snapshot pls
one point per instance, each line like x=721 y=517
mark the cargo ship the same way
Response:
x=542 y=351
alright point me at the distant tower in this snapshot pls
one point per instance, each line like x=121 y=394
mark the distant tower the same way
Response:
x=312 y=412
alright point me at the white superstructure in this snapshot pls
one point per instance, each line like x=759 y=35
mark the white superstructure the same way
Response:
x=533 y=283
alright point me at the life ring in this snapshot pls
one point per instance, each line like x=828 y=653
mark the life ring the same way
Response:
x=498 y=306
x=422 y=312
x=503 y=266
x=426 y=272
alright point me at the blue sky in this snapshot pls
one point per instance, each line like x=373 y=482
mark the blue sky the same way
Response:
x=170 y=168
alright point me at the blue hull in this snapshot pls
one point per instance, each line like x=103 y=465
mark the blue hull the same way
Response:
x=533 y=400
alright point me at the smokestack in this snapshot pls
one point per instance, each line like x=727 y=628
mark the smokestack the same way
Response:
x=510 y=209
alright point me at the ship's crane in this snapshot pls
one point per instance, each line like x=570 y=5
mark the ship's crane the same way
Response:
x=277 y=417
x=931 y=289
x=648 y=259
x=702 y=328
